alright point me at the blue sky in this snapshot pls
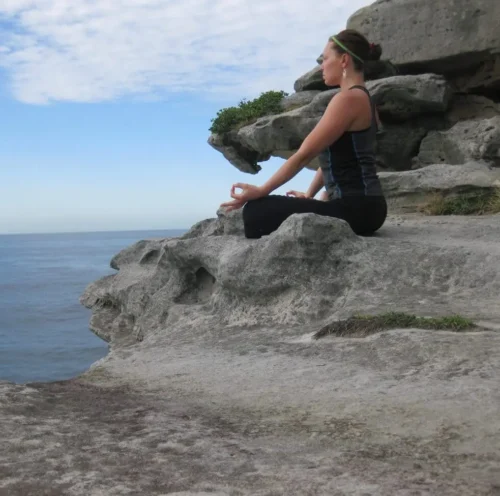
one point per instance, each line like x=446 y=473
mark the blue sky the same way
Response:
x=106 y=105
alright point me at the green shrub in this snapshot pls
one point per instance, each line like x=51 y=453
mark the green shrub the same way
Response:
x=247 y=112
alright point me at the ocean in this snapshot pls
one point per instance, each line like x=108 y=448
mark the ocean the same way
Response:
x=44 y=334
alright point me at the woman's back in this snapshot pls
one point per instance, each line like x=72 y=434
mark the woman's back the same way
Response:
x=351 y=169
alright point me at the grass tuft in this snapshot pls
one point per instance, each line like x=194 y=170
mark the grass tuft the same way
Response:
x=483 y=202
x=363 y=325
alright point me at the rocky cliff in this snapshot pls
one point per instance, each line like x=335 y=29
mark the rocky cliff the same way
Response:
x=232 y=369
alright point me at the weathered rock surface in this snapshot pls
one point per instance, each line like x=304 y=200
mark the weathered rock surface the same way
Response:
x=409 y=190
x=465 y=141
x=379 y=69
x=298 y=99
x=398 y=143
x=232 y=279
x=399 y=97
x=242 y=158
x=468 y=107
x=313 y=79
x=228 y=394
x=447 y=58
x=459 y=37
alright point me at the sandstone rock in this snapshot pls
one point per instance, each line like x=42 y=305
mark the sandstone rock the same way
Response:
x=207 y=227
x=243 y=159
x=312 y=80
x=471 y=107
x=298 y=99
x=226 y=223
x=232 y=279
x=399 y=97
x=409 y=190
x=271 y=135
x=465 y=141
x=227 y=384
x=399 y=143
x=231 y=222
x=196 y=413
x=453 y=38
x=278 y=132
x=379 y=69
x=484 y=79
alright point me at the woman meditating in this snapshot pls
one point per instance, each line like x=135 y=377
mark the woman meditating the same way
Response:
x=347 y=131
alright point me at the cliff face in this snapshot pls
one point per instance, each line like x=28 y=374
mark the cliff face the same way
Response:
x=442 y=108
x=213 y=276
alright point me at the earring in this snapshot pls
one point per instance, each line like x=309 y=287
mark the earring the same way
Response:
x=344 y=73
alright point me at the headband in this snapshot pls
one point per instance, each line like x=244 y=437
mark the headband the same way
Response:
x=341 y=45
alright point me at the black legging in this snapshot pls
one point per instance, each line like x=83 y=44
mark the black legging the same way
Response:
x=365 y=214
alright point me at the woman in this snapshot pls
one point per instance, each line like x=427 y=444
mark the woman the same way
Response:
x=347 y=132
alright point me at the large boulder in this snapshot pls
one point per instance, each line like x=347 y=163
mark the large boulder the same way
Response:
x=460 y=39
x=397 y=98
x=310 y=268
x=471 y=107
x=401 y=98
x=296 y=100
x=242 y=158
x=410 y=191
x=311 y=80
x=465 y=141
x=275 y=135
x=399 y=143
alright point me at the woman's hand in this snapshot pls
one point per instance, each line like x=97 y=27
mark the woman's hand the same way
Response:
x=232 y=205
x=297 y=194
x=249 y=192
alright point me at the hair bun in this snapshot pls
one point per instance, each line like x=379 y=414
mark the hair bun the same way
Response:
x=375 y=52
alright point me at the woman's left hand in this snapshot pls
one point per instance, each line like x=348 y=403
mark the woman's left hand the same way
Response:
x=249 y=192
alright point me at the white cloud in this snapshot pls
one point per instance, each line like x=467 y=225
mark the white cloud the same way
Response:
x=95 y=50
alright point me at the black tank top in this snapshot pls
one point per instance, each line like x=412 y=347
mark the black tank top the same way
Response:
x=349 y=168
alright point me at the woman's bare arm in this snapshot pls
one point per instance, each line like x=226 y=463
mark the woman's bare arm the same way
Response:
x=316 y=184
x=338 y=117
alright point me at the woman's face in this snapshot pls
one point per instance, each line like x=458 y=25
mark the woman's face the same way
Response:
x=332 y=65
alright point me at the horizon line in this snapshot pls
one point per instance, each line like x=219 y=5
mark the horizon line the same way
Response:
x=92 y=232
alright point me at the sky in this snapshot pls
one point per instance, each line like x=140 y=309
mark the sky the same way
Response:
x=106 y=104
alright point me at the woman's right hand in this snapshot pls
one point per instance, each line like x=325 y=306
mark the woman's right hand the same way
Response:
x=297 y=194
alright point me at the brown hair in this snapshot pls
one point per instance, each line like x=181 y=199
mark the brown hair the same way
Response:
x=359 y=45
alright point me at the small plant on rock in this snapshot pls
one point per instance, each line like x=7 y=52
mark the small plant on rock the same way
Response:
x=247 y=112
x=483 y=202
x=363 y=325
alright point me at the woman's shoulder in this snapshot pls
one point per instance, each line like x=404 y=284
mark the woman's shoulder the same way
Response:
x=353 y=108
x=352 y=100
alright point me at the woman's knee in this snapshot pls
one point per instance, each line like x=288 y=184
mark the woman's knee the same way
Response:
x=254 y=208
x=252 y=215
x=249 y=210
